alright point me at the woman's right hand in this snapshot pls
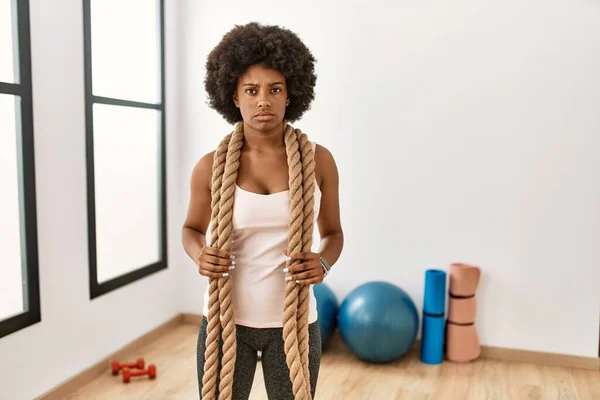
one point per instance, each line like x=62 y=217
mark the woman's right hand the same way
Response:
x=215 y=263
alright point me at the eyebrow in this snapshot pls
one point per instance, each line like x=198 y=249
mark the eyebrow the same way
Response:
x=254 y=84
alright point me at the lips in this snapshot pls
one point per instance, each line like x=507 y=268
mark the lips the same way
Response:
x=265 y=116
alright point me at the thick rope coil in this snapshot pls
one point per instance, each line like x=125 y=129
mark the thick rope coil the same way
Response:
x=291 y=310
x=225 y=236
x=300 y=159
x=209 y=381
x=308 y=189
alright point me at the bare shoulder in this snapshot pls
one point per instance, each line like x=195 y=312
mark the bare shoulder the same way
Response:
x=199 y=208
x=202 y=172
x=325 y=165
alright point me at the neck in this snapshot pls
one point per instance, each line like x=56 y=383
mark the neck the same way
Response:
x=262 y=140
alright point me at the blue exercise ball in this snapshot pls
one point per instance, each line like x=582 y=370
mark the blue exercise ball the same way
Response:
x=378 y=321
x=327 y=308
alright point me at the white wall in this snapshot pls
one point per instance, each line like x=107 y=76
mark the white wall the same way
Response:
x=75 y=332
x=469 y=130
x=464 y=131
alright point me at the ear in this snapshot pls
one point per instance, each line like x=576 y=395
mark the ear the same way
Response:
x=235 y=100
x=287 y=103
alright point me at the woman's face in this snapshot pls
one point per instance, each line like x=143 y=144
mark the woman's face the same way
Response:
x=261 y=95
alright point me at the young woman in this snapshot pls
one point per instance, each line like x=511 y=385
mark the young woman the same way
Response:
x=250 y=193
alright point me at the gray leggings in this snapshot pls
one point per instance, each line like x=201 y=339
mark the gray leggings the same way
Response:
x=275 y=369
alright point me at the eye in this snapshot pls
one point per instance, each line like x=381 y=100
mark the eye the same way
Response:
x=276 y=90
x=251 y=91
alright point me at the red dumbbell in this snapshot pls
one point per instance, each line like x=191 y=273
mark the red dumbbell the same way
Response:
x=127 y=373
x=116 y=366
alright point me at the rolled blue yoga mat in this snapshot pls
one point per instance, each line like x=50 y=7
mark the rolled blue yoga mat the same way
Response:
x=434 y=309
x=432 y=340
x=434 y=302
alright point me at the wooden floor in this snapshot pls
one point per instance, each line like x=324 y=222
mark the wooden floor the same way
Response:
x=343 y=377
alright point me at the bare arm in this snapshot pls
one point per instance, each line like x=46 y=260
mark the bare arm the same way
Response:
x=211 y=262
x=308 y=270
x=330 y=227
x=199 y=208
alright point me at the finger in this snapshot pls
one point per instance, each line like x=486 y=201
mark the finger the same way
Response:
x=299 y=267
x=217 y=268
x=305 y=267
x=216 y=260
x=302 y=276
x=310 y=281
x=217 y=252
x=211 y=274
x=301 y=258
x=305 y=274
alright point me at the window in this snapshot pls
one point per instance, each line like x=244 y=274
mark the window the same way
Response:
x=19 y=275
x=125 y=132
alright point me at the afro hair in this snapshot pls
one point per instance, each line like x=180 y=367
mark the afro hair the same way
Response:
x=272 y=47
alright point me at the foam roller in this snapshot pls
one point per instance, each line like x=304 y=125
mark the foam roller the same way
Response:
x=434 y=308
x=432 y=339
x=464 y=279
x=434 y=302
x=462 y=341
x=462 y=310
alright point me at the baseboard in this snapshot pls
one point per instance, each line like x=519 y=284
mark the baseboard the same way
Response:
x=540 y=358
x=194 y=319
x=495 y=353
x=488 y=352
x=64 y=389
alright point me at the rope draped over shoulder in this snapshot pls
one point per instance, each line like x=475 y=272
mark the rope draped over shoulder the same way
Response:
x=221 y=321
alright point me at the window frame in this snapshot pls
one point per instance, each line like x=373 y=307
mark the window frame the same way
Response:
x=98 y=289
x=26 y=169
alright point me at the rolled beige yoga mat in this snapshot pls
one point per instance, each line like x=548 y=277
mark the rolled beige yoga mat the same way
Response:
x=462 y=341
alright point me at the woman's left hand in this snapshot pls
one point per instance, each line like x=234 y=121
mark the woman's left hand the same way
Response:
x=304 y=268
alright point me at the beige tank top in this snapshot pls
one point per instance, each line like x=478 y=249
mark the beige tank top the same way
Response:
x=260 y=235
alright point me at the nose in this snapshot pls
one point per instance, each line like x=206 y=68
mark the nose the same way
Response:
x=263 y=102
